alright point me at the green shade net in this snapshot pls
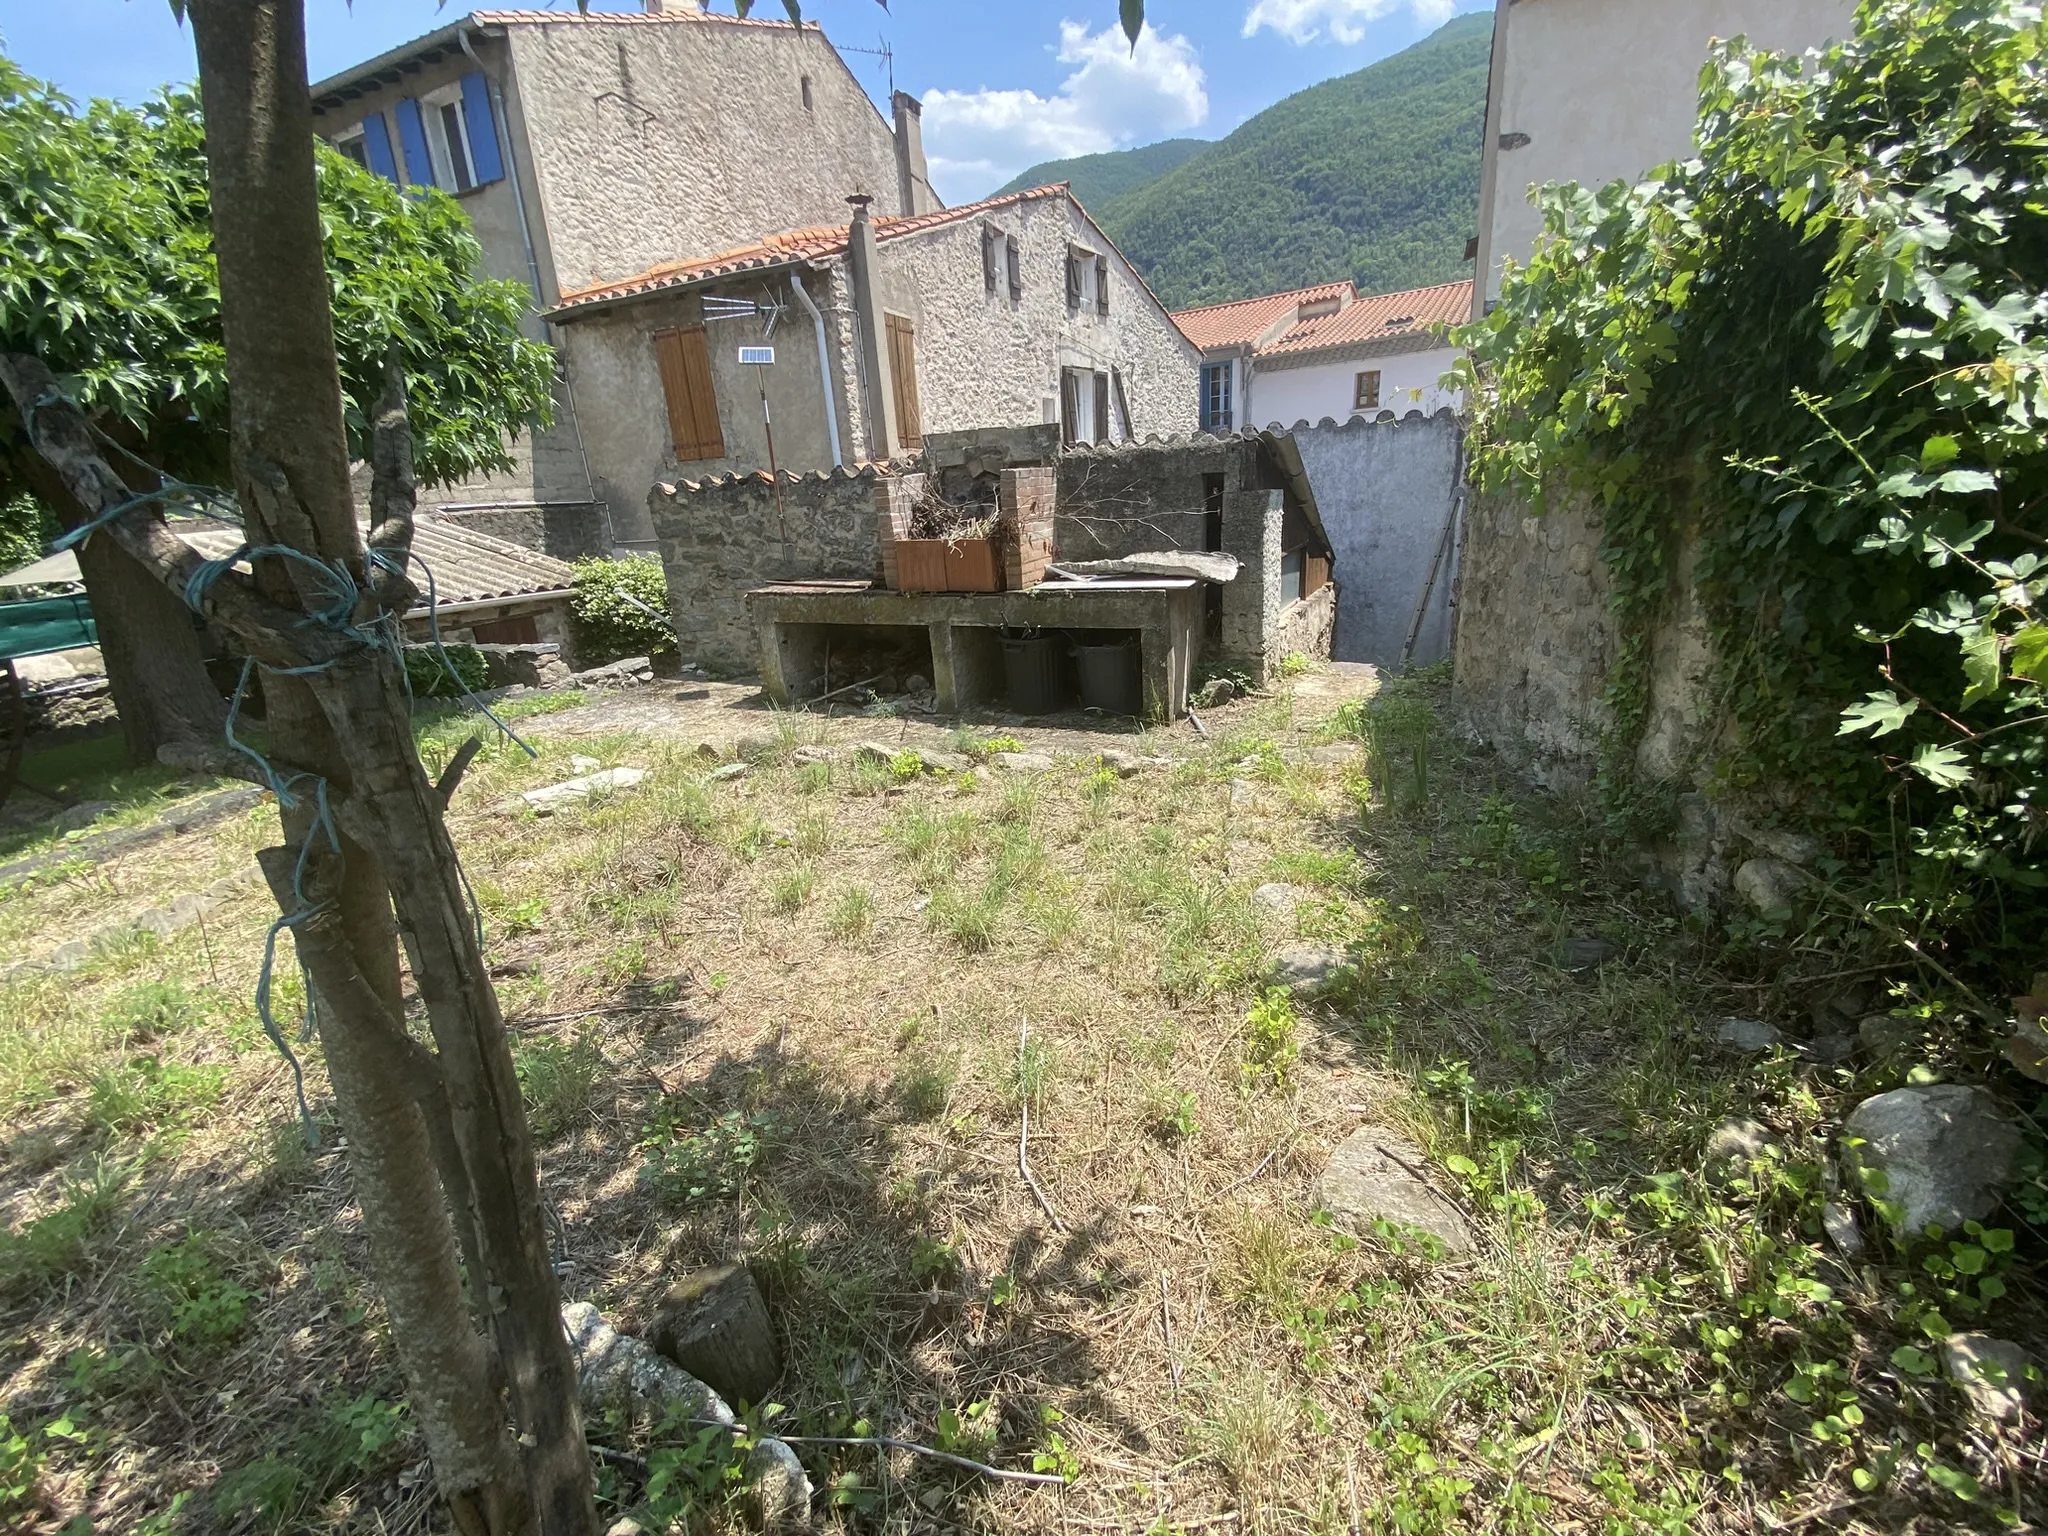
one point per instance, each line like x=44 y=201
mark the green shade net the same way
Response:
x=47 y=624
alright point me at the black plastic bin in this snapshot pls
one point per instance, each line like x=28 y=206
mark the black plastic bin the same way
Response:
x=1032 y=670
x=1109 y=676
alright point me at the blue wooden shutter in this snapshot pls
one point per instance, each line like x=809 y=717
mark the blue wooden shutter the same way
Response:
x=485 y=162
x=412 y=136
x=377 y=147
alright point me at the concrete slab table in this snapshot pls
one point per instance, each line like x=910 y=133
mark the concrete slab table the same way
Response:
x=793 y=623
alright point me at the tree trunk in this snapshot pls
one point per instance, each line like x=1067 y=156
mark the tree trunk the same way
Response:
x=155 y=658
x=345 y=720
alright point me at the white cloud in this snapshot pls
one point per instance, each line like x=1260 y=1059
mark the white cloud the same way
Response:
x=1304 y=21
x=977 y=140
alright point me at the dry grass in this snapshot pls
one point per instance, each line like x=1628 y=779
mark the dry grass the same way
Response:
x=778 y=1018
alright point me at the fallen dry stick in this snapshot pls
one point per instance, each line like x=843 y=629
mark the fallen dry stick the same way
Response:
x=1024 y=1136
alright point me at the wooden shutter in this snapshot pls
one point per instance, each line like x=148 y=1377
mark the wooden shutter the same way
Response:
x=684 y=359
x=1102 y=285
x=1070 y=406
x=1101 y=408
x=1015 y=257
x=903 y=377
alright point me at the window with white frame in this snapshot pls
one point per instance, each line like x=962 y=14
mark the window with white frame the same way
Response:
x=1215 y=404
x=448 y=139
x=351 y=144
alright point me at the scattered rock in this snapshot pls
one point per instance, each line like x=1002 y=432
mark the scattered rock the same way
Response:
x=1769 y=885
x=1307 y=967
x=725 y=773
x=1994 y=1374
x=1375 y=1176
x=625 y=1525
x=1828 y=1050
x=1023 y=762
x=629 y=672
x=710 y=751
x=714 y=1324
x=917 y=682
x=778 y=1492
x=1933 y=1154
x=873 y=752
x=805 y=756
x=944 y=762
x=758 y=748
x=1792 y=847
x=1839 y=1222
x=1124 y=764
x=1883 y=1034
x=581 y=764
x=83 y=814
x=554 y=797
x=1734 y=1144
x=1216 y=692
x=615 y=1371
x=1586 y=954
x=1744 y=1034
x=1279 y=899
x=1242 y=793
x=1335 y=754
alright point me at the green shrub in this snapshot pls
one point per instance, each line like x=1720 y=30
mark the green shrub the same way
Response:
x=611 y=609
x=205 y=1308
x=426 y=673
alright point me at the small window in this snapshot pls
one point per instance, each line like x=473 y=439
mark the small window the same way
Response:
x=807 y=93
x=351 y=144
x=1215 y=403
x=1367 y=396
x=1015 y=257
x=1293 y=571
x=448 y=141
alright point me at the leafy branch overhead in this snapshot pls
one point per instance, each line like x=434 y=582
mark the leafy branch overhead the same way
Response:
x=1820 y=343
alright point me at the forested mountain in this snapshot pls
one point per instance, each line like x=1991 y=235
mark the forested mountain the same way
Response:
x=1372 y=176
x=1097 y=179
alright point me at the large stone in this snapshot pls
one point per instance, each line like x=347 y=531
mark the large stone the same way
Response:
x=1306 y=967
x=1375 y=1176
x=725 y=773
x=1210 y=567
x=1839 y=1222
x=714 y=1324
x=804 y=757
x=1934 y=1154
x=1884 y=1033
x=554 y=797
x=1023 y=762
x=1749 y=1035
x=944 y=762
x=1215 y=693
x=1586 y=954
x=1278 y=899
x=873 y=752
x=1123 y=764
x=615 y=1371
x=778 y=1491
x=1769 y=885
x=1994 y=1374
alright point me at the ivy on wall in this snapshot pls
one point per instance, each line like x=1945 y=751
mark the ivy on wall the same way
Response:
x=1816 y=348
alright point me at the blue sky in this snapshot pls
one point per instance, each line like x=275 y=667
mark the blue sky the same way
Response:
x=1006 y=83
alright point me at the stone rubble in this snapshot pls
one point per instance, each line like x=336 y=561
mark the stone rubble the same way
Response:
x=554 y=797
x=1993 y=1374
x=1939 y=1154
x=1374 y=1176
x=1305 y=968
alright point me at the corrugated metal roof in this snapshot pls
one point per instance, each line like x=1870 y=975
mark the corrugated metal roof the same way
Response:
x=1242 y=322
x=468 y=567
x=796 y=245
x=1409 y=314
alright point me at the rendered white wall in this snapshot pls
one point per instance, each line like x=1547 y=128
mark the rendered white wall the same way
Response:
x=1408 y=382
x=1609 y=89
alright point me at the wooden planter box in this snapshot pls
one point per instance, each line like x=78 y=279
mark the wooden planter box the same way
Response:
x=936 y=565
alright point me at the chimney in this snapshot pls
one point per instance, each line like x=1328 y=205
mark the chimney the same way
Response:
x=867 y=313
x=913 y=180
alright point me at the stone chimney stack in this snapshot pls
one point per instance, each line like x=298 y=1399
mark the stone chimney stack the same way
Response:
x=861 y=259
x=913 y=180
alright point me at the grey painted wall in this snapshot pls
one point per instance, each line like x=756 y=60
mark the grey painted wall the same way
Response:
x=1385 y=489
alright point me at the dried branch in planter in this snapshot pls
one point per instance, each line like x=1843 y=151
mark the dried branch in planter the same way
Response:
x=932 y=516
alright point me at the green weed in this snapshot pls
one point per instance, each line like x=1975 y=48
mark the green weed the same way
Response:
x=558 y=1079
x=690 y=1164
x=853 y=914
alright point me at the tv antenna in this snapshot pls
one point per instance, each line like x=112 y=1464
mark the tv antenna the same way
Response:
x=719 y=307
x=883 y=52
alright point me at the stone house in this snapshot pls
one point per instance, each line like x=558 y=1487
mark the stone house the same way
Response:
x=587 y=146
x=1594 y=91
x=1326 y=353
x=1015 y=311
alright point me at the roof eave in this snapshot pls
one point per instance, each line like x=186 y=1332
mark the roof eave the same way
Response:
x=397 y=62
x=568 y=314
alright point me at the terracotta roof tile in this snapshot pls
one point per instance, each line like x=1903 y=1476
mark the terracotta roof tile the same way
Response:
x=685 y=13
x=1376 y=317
x=815 y=244
x=1241 y=322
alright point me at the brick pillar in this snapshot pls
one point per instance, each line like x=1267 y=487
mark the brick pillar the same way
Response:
x=1025 y=500
x=894 y=495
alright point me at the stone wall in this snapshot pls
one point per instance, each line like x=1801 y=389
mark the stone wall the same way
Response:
x=722 y=537
x=1129 y=497
x=1385 y=489
x=1306 y=628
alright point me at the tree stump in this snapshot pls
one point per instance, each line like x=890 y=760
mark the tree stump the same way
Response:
x=714 y=1324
